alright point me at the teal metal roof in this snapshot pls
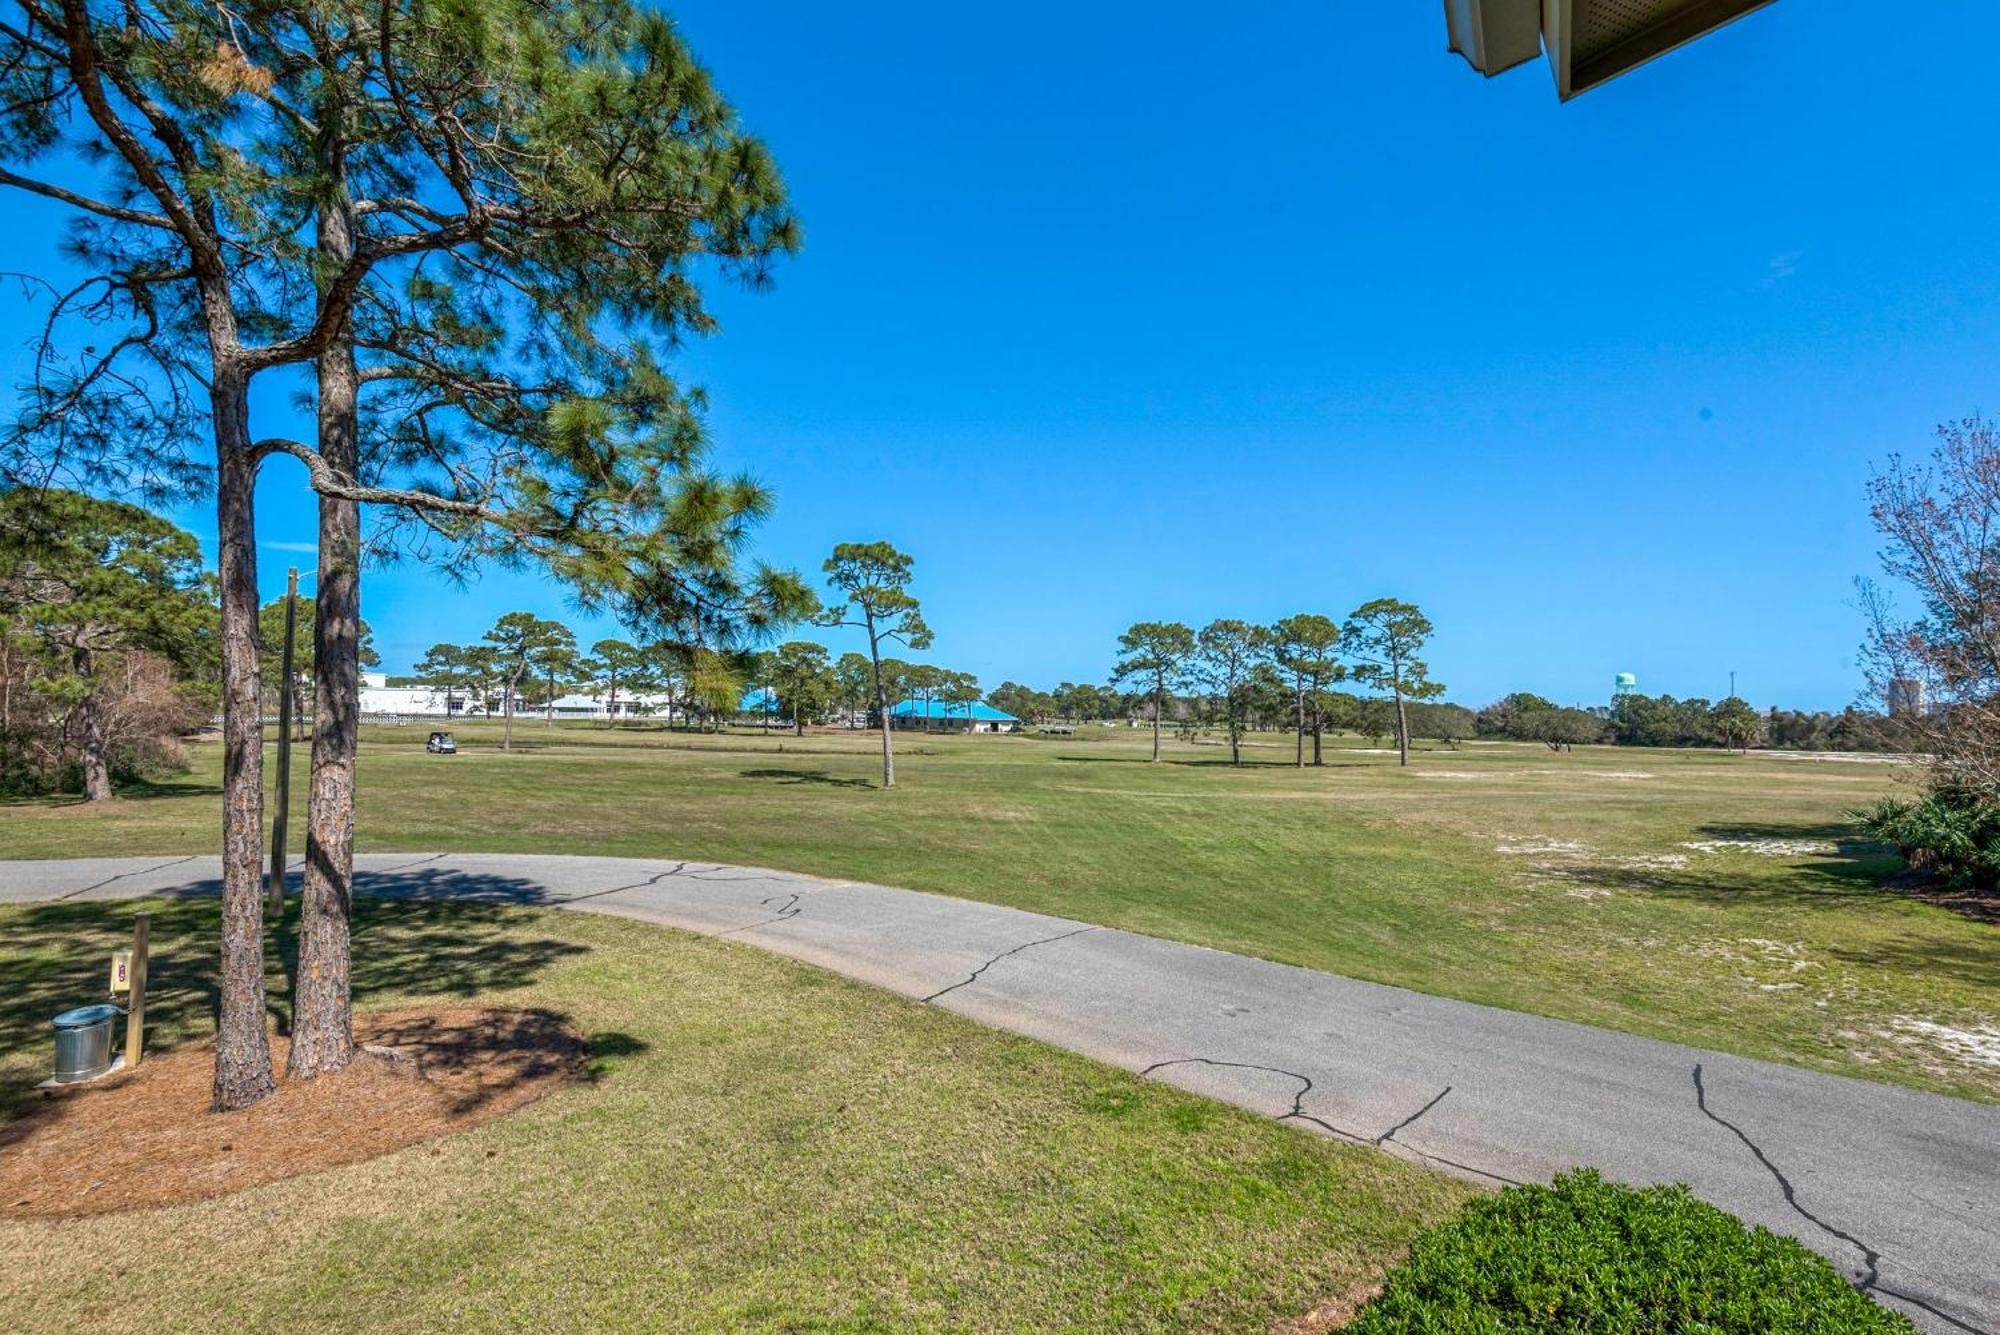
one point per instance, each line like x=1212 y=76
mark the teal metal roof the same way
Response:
x=938 y=709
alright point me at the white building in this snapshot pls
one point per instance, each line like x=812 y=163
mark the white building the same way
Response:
x=597 y=705
x=380 y=699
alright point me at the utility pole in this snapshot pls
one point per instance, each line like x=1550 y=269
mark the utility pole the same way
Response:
x=1732 y=683
x=277 y=892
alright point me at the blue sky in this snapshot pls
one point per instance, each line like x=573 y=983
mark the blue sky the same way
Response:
x=1120 y=312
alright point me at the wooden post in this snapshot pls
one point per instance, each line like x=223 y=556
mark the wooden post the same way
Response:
x=135 y=1012
x=276 y=897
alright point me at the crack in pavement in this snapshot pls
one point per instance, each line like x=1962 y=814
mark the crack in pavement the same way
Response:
x=1868 y=1254
x=1299 y=1114
x=1298 y=1111
x=713 y=874
x=1871 y=1280
x=787 y=910
x=1405 y=1124
x=974 y=975
x=636 y=885
x=790 y=908
x=1921 y=1305
x=1490 y=1175
x=139 y=871
x=427 y=859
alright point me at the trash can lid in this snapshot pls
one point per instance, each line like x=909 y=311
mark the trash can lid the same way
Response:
x=84 y=1016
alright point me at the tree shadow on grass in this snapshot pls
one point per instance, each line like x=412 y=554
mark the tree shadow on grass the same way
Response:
x=1856 y=872
x=1807 y=864
x=1870 y=864
x=130 y=790
x=57 y=955
x=790 y=776
x=607 y=1052
x=1842 y=832
x=1210 y=762
x=1974 y=963
x=1851 y=880
x=1826 y=885
x=1256 y=762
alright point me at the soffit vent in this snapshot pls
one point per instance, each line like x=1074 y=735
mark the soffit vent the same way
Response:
x=1590 y=41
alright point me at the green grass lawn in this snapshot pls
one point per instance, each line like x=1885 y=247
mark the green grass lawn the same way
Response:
x=764 y=1146
x=1559 y=884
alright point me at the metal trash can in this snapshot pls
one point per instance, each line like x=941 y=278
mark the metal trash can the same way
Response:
x=83 y=1043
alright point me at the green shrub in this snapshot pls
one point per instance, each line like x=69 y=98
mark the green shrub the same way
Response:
x=1949 y=831
x=1586 y=1255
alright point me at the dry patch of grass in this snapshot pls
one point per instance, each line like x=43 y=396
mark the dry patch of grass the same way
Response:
x=1331 y=1313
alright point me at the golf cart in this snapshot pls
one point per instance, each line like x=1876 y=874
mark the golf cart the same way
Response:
x=441 y=744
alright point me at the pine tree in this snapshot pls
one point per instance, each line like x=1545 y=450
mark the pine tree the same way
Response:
x=1384 y=636
x=508 y=204
x=1227 y=656
x=1157 y=654
x=871 y=583
x=1305 y=645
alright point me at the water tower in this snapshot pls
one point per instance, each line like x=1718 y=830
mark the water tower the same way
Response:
x=1624 y=684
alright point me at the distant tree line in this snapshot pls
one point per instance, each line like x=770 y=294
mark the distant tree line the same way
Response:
x=526 y=663
x=1238 y=677
x=1662 y=720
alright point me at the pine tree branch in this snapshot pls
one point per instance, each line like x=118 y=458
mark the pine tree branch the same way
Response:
x=86 y=203
x=85 y=73
x=327 y=482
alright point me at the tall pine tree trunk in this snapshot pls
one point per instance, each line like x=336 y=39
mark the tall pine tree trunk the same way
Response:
x=96 y=747
x=1299 y=685
x=1402 y=730
x=1159 y=703
x=322 y=1008
x=242 y=1047
x=882 y=709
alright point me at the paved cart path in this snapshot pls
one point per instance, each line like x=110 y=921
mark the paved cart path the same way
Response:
x=1900 y=1189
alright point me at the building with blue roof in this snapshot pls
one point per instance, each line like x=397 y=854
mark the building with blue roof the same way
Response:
x=943 y=716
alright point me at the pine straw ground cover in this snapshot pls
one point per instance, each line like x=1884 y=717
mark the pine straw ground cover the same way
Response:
x=755 y=1145
x=144 y=1137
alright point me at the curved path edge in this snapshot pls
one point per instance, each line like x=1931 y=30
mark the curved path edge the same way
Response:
x=1900 y=1189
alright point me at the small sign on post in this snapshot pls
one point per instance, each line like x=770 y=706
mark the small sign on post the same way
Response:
x=135 y=978
x=121 y=971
